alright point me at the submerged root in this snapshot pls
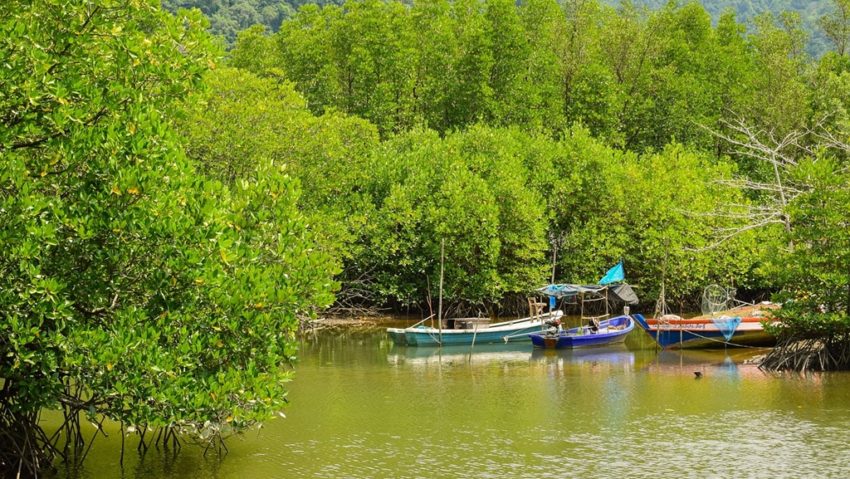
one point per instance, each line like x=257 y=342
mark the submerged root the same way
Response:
x=25 y=450
x=809 y=354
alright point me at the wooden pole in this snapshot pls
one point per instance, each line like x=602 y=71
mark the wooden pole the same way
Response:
x=554 y=259
x=581 y=298
x=606 y=303
x=440 y=305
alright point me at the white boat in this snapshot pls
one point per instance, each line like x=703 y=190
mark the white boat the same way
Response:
x=472 y=331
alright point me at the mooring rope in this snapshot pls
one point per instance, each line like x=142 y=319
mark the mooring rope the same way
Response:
x=728 y=343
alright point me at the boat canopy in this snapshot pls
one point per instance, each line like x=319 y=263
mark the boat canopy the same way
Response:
x=623 y=292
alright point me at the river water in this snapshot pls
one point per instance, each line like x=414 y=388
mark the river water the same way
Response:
x=362 y=407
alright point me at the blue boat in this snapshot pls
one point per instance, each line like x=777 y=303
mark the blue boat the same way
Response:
x=601 y=333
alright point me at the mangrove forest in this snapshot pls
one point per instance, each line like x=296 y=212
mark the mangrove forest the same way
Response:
x=176 y=201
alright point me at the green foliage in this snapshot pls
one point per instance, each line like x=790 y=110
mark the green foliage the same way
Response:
x=131 y=285
x=164 y=221
x=498 y=196
x=469 y=190
x=243 y=122
x=816 y=269
x=531 y=189
x=830 y=95
x=639 y=79
x=252 y=52
x=815 y=315
x=509 y=46
x=652 y=210
x=545 y=89
x=779 y=43
x=357 y=58
x=653 y=82
x=229 y=17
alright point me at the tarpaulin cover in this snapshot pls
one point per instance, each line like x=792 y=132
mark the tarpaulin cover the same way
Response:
x=622 y=292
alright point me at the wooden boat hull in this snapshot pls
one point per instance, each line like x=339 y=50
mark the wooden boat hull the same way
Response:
x=702 y=333
x=582 y=337
x=513 y=331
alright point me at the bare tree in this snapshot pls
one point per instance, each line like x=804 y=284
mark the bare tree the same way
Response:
x=776 y=190
x=775 y=187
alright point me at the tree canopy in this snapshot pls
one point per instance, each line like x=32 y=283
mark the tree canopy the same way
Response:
x=229 y=17
x=132 y=286
x=578 y=99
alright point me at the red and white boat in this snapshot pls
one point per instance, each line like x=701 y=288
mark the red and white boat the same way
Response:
x=740 y=326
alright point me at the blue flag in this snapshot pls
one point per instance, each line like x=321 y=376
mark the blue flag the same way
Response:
x=614 y=275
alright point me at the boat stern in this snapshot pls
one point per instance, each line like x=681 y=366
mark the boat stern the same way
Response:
x=397 y=335
x=641 y=321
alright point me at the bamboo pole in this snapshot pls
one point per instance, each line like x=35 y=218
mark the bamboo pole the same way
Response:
x=606 y=303
x=440 y=305
x=554 y=260
x=581 y=298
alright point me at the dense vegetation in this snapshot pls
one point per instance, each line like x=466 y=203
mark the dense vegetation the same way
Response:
x=132 y=286
x=636 y=81
x=229 y=17
x=655 y=136
x=165 y=219
x=613 y=126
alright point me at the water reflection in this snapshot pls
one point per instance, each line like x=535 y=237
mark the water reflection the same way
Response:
x=706 y=363
x=480 y=354
x=362 y=407
x=611 y=355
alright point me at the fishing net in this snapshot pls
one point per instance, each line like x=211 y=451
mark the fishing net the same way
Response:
x=716 y=299
x=727 y=325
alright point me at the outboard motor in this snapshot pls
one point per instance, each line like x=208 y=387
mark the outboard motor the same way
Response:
x=554 y=326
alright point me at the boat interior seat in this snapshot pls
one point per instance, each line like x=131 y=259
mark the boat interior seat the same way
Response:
x=469 y=323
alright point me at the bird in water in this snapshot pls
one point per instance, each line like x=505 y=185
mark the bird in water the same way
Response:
x=698 y=374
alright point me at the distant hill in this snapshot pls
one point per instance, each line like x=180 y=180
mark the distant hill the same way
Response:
x=229 y=17
x=746 y=10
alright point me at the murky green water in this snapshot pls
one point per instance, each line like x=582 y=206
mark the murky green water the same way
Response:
x=364 y=408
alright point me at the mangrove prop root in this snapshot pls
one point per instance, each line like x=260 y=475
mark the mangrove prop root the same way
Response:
x=823 y=353
x=26 y=451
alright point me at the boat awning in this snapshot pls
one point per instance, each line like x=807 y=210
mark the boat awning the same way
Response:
x=622 y=292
